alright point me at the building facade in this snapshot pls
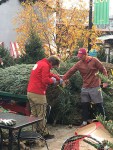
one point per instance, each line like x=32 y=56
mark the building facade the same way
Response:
x=8 y=11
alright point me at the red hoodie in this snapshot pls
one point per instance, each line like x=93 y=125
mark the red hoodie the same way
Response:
x=40 y=77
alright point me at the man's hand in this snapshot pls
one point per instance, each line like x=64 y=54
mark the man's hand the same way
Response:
x=54 y=80
x=65 y=82
x=105 y=85
x=61 y=80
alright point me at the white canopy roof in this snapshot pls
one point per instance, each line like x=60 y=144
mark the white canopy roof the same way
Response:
x=106 y=37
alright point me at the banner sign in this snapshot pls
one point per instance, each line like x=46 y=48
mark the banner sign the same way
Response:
x=101 y=12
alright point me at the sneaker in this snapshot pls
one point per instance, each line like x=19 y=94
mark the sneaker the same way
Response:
x=84 y=123
x=48 y=136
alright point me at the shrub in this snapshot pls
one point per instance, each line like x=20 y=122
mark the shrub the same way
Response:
x=33 y=50
x=7 y=59
x=14 y=79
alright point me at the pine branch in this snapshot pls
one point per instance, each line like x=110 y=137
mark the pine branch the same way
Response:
x=105 y=79
x=108 y=126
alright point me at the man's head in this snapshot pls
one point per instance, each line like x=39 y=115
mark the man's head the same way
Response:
x=55 y=61
x=82 y=53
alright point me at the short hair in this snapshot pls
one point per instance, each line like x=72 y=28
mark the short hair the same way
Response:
x=54 y=60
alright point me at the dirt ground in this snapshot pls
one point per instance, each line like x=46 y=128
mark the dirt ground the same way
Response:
x=64 y=132
x=61 y=133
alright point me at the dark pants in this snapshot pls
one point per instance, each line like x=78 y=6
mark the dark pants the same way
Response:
x=89 y=112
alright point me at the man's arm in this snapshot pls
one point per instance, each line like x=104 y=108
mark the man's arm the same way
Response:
x=70 y=72
x=103 y=70
x=46 y=79
x=101 y=67
x=55 y=76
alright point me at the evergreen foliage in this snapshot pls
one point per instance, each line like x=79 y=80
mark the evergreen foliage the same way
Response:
x=7 y=59
x=65 y=101
x=109 y=126
x=33 y=50
x=108 y=95
x=14 y=79
x=101 y=55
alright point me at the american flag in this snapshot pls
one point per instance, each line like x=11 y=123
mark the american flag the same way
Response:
x=14 y=50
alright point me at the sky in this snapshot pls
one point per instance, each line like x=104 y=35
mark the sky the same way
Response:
x=69 y=3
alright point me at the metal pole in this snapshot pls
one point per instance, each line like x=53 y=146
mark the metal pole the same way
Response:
x=90 y=23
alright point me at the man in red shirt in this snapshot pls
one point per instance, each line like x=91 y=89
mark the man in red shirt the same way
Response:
x=91 y=92
x=40 y=78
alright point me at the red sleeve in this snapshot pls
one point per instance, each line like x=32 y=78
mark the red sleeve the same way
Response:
x=101 y=67
x=46 y=79
x=55 y=76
